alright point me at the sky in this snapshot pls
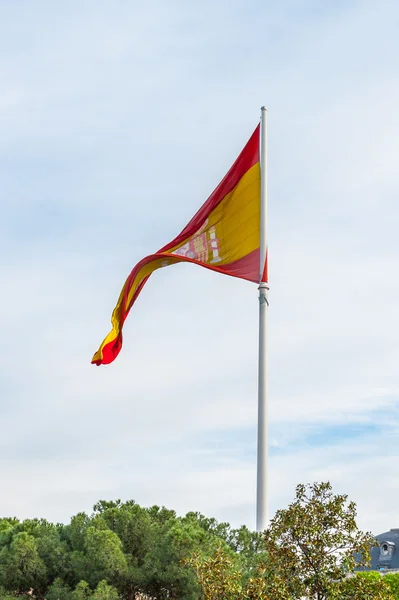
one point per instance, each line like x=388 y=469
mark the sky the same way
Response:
x=117 y=120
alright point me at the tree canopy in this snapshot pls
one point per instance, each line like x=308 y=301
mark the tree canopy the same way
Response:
x=124 y=551
x=120 y=550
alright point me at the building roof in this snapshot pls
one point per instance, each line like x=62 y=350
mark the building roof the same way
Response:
x=386 y=555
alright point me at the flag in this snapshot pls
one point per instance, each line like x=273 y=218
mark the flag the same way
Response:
x=224 y=236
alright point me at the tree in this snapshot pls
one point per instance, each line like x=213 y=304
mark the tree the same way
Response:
x=7 y=528
x=21 y=568
x=126 y=550
x=316 y=542
x=223 y=577
x=58 y=590
x=138 y=534
x=51 y=549
x=267 y=585
x=105 y=592
x=165 y=575
x=218 y=575
x=161 y=514
x=363 y=586
x=82 y=591
x=392 y=579
x=104 y=555
x=131 y=523
x=75 y=533
x=6 y=595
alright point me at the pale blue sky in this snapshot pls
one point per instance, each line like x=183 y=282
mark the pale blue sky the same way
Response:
x=117 y=120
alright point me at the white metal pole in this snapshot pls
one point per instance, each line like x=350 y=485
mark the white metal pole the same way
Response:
x=262 y=466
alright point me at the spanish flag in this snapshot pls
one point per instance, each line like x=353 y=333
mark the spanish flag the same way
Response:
x=224 y=236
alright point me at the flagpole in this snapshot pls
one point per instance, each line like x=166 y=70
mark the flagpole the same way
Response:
x=262 y=458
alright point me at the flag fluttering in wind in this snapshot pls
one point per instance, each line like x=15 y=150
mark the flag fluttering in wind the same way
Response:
x=224 y=236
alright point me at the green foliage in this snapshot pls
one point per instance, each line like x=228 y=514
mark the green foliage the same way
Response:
x=363 y=586
x=104 y=555
x=315 y=541
x=176 y=539
x=105 y=592
x=58 y=590
x=392 y=579
x=82 y=591
x=217 y=575
x=74 y=533
x=123 y=546
x=125 y=551
x=6 y=595
x=21 y=567
x=267 y=585
x=222 y=577
x=50 y=547
x=131 y=523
